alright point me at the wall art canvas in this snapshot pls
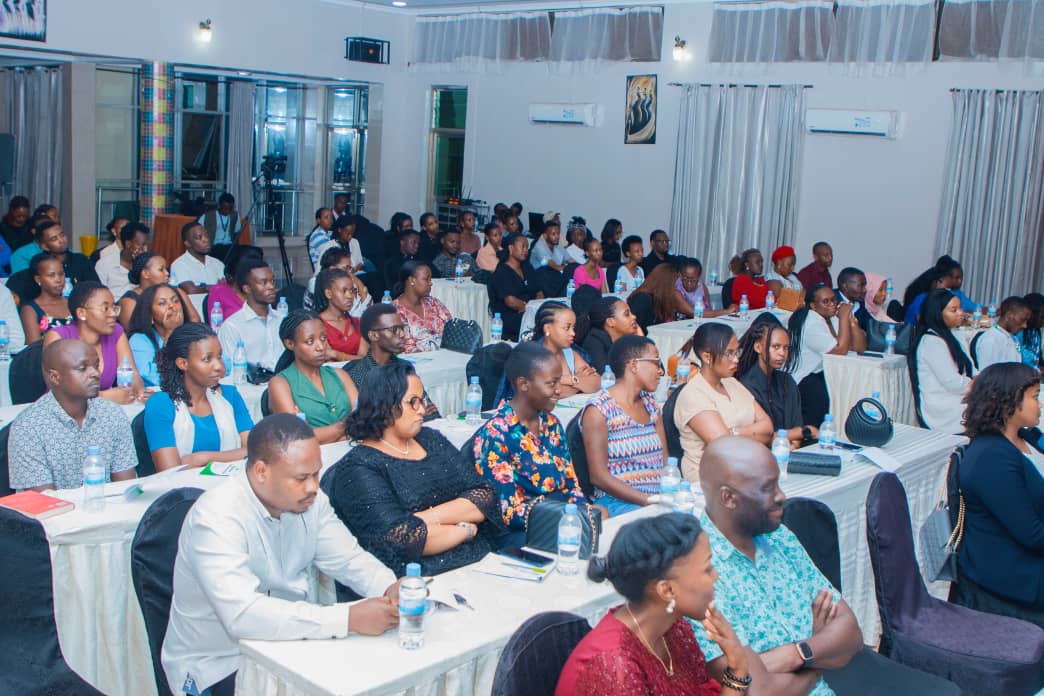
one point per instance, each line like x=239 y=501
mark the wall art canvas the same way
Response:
x=24 y=19
x=640 y=128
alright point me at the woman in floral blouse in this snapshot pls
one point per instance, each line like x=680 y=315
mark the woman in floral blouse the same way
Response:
x=522 y=449
x=424 y=316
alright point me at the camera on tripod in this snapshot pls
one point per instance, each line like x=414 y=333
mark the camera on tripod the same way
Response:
x=272 y=166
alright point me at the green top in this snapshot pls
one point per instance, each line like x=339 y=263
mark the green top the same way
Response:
x=319 y=409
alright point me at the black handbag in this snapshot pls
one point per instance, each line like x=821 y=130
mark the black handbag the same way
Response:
x=864 y=427
x=876 y=331
x=542 y=526
x=815 y=464
x=462 y=336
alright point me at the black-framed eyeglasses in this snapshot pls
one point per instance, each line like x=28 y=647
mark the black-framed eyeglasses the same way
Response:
x=417 y=403
x=656 y=361
x=398 y=329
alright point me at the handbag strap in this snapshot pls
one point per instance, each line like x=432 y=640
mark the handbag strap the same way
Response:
x=958 y=529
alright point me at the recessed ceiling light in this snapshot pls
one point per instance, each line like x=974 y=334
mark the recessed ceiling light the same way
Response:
x=243 y=73
x=398 y=3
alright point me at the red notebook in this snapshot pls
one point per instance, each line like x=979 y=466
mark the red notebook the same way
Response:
x=36 y=505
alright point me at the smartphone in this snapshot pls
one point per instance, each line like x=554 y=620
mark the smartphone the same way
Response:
x=848 y=446
x=520 y=554
x=872 y=354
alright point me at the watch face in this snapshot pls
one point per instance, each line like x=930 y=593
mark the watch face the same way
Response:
x=806 y=651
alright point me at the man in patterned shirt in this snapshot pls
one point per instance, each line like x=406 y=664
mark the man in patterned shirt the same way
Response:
x=780 y=604
x=50 y=437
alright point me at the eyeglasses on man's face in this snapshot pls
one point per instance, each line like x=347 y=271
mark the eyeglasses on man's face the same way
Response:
x=399 y=329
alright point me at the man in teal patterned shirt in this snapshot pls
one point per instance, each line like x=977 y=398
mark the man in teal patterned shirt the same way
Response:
x=780 y=604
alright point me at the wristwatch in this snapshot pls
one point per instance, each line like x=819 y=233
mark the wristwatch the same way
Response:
x=805 y=651
x=806 y=432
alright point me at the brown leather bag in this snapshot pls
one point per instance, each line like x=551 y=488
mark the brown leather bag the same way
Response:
x=790 y=299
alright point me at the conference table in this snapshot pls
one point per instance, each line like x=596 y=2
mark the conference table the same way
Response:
x=671 y=336
x=852 y=377
x=467 y=300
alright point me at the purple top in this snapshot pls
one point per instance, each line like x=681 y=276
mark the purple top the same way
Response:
x=108 y=351
x=230 y=301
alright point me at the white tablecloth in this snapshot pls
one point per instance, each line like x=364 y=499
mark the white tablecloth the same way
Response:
x=670 y=337
x=533 y=306
x=852 y=377
x=468 y=300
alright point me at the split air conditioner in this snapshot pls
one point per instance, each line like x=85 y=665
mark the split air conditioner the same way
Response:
x=880 y=123
x=568 y=114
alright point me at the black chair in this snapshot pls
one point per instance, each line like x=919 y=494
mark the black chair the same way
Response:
x=146 y=467
x=294 y=294
x=982 y=653
x=5 y=471
x=266 y=408
x=31 y=661
x=726 y=292
x=153 y=550
x=643 y=308
x=610 y=275
x=868 y=673
x=670 y=428
x=26 y=380
x=536 y=653
x=575 y=442
x=895 y=311
x=488 y=365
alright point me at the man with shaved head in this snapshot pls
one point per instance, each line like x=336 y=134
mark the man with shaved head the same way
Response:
x=50 y=437
x=780 y=604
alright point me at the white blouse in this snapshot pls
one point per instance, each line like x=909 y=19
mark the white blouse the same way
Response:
x=941 y=386
x=791 y=281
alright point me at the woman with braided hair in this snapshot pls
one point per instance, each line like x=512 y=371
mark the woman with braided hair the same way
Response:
x=148 y=270
x=555 y=329
x=195 y=419
x=662 y=567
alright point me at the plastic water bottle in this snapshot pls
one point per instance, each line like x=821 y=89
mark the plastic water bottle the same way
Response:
x=239 y=364
x=458 y=272
x=744 y=307
x=217 y=316
x=283 y=308
x=570 y=289
x=386 y=297
x=827 y=434
x=608 y=378
x=619 y=287
x=697 y=311
x=870 y=409
x=5 y=342
x=976 y=317
x=496 y=328
x=67 y=290
x=770 y=301
x=669 y=480
x=890 y=340
x=125 y=373
x=889 y=288
x=473 y=403
x=684 y=502
x=301 y=417
x=713 y=276
x=681 y=373
x=991 y=313
x=543 y=262
x=93 y=480
x=413 y=599
x=781 y=452
x=569 y=534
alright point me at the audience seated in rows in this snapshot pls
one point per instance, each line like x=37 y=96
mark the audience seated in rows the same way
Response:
x=227 y=587
x=49 y=308
x=940 y=369
x=256 y=324
x=513 y=285
x=747 y=268
x=113 y=268
x=423 y=316
x=149 y=270
x=689 y=289
x=49 y=437
x=157 y=313
x=623 y=434
x=195 y=419
x=608 y=319
x=998 y=344
x=342 y=237
x=323 y=394
x=51 y=238
x=555 y=329
x=818 y=272
x=337 y=298
x=404 y=490
x=445 y=262
x=196 y=270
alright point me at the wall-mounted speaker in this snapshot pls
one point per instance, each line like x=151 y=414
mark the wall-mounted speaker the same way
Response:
x=366 y=50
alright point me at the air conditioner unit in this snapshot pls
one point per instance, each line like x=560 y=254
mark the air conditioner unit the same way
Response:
x=879 y=123
x=568 y=114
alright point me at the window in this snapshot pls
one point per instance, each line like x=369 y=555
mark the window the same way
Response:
x=448 y=116
x=116 y=143
x=346 y=123
x=200 y=144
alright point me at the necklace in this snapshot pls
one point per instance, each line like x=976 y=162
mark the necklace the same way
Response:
x=404 y=452
x=669 y=668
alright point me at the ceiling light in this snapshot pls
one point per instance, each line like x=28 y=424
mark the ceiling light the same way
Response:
x=398 y=3
x=205 y=32
x=681 y=51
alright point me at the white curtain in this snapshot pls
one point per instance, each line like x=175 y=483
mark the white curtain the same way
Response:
x=771 y=32
x=481 y=41
x=240 y=169
x=736 y=171
x=883 y=33
x=31 y=108
x=1009 y=29
x=607 y=34
x=991 y=216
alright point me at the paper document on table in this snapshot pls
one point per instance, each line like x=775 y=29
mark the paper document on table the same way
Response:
x=504 y=567
x=878 y=456
x=221 y=468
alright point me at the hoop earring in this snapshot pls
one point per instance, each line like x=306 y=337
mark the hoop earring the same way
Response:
x=670 y=606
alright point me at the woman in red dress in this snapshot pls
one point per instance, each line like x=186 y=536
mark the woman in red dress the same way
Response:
x=334 y=295
x=662 y=567
x=747 y=267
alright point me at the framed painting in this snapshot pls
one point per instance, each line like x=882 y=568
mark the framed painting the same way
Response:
x=24 y=19
x=640 y=119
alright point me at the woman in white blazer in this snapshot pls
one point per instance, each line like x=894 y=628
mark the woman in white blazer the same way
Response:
x=940 y=370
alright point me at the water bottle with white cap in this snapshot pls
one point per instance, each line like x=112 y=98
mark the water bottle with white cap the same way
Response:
x=669 y=480
x=570 y=289
x=496 y=328
x=781 y=452
x=744 y=307
x=770 y=301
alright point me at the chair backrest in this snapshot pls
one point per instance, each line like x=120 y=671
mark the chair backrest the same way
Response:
x=575 y=442
x=146 y=467
x=726 y=292
x=643 y=309
x=266 y=407
x=536 y=653
x=610 y=275
x=895 y=311
x=27 y=365
x=901 y=593
x=670 y=428
x=5 y=469
x=488 y=365
x=815 y=526
x=153 y=550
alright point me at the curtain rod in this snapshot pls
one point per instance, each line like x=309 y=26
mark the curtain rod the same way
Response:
x=986 y=89
x=730 y=84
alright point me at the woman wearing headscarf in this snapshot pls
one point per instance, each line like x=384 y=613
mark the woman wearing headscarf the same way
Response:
x=782 y=274
x=876 y=297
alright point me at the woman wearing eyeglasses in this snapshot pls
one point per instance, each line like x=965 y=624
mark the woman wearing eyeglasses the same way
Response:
x=821 y=327
x=623 y=434
x=94 y=322
x=714 y=403
x=404 y=490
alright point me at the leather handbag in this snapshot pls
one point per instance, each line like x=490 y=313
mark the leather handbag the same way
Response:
x=790 y=299
x=542 y=526
x=869 y=424
x=939 y=542
x=876 y=331
x=462 y=336
x=814 y=464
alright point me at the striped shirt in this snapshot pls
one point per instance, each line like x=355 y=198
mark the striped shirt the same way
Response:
x=635 y=449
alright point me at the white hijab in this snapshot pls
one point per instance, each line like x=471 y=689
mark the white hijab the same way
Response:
x=185 y=428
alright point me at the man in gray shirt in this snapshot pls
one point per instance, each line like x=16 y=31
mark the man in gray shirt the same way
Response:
x=50 y=437
x=548 y=248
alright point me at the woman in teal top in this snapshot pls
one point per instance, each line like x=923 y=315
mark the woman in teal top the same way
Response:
x=324 y=395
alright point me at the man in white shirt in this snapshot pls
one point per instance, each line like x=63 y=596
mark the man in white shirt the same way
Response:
x=256 y=324
x=194 y=271
x=113 y=267
x=998 y=344
x=244 y=554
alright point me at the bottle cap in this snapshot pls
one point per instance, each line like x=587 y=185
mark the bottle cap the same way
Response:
x=828 y=417
x=282 y=299
x=781 y=433
x=475 y=380
x=413 y=570
x=672 y=461
x=684 y=485
x=216 y=304
x=93 y=451
x=570 y=508
x=496 y=315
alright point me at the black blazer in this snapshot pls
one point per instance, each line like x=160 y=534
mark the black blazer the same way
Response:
x=1003 y=546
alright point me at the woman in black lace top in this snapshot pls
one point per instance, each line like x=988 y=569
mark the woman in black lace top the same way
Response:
x=404 y=490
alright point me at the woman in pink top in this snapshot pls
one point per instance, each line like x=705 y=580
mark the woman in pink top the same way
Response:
x=591 y=273
x=486 y=259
